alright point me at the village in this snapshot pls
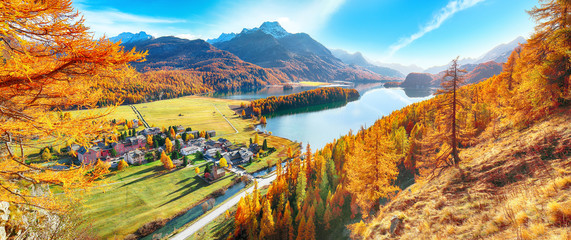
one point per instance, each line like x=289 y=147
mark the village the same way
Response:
x=148 y=144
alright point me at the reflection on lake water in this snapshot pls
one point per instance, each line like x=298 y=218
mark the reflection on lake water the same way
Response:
x=319 y=125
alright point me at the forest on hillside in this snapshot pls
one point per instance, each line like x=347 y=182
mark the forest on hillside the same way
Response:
x=169 y=83
x=51 y=63
x=303 y=99
x=346 y=180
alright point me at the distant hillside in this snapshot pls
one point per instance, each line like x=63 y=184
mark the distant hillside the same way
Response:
x=128 y=37
x=179 y=53
x=418 y=81
x=501 y=53
x=177 y=67
x=297 y=55
x=483 y=71
x=404 y=69
x=498 y=54
x=475 y=73
x=358 y=59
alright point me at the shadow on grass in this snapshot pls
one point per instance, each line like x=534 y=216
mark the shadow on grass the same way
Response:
x=156 y=169
x=188 y=189
x=146 y=170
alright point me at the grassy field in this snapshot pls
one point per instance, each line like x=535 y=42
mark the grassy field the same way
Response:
x=199 y=113
x=142 y=194
x=33 y=147
x=146 y=193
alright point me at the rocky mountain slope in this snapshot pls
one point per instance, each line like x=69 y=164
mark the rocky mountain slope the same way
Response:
x=297 y=55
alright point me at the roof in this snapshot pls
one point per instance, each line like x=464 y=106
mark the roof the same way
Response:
x=190 y=148
x=81 y=150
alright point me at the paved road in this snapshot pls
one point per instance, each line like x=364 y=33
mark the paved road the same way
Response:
x=140 y=116
x=225 y=118
x=220 y=210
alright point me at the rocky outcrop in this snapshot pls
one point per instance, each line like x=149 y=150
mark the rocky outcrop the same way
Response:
x=418 y=81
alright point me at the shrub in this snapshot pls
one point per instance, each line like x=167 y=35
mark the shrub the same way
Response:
x=122 y=165
x=560 y=214
x=521 y=218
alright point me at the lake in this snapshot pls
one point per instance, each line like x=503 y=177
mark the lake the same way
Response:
x=319 y=125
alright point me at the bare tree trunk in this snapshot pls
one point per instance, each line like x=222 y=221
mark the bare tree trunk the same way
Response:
x=454 y=140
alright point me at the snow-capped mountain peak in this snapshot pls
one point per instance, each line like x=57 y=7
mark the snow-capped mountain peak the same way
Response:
x=271 y=28
x=222 y=38
x=501 y=52
x=274 y=29
x=128 y=37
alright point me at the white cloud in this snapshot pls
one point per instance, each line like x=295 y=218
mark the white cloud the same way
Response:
x=445 y=13
x=111 y=22
x=188 y=36
x=295 y=16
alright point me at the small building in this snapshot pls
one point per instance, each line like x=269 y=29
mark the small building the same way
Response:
x=150 y=131
x=245 y=155
x=224 y=142
x=135 y=157
x=255 y=148
x=88 y=156
x=180 y=129
x=134 y=143
x=211 y=133
x=190 y=150
x=211 y=153
x=216 y=172
x=195 y=134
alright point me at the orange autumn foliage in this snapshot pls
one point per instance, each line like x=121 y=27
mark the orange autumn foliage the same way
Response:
x=362 y=167
x=303 y=99
x=50 y=62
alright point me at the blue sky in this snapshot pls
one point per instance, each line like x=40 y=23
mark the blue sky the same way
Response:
x=425 y=33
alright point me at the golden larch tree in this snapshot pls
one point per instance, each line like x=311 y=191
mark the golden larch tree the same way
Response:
x=150 y=141
x=371 y=169
x=168 y=145
x=166 y=160
x=50 y=62
x=446 y=128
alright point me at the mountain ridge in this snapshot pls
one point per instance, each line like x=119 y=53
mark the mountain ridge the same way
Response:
x=128 y=37
x=497 y=54
x=297 y=55
x=271 y=28
x=357 y=58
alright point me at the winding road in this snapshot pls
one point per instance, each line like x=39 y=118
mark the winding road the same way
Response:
x=204 y=220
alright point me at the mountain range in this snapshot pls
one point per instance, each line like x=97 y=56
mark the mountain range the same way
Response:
x=474 y=73
x=358 y=59
x=297 y=55
x=498 y=54
x=288 y=56
x=128 y=37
